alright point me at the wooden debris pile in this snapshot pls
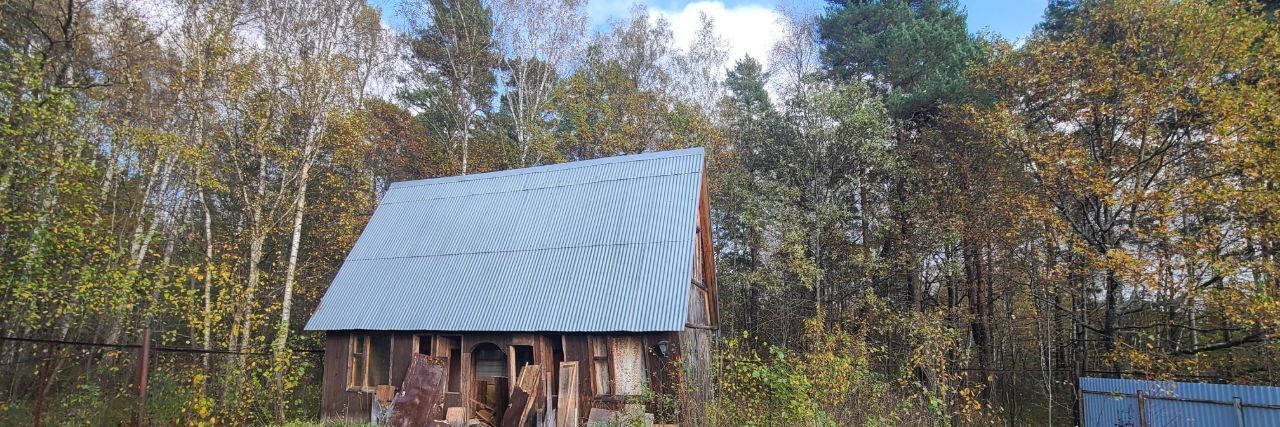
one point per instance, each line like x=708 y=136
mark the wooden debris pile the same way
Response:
x=421 y=402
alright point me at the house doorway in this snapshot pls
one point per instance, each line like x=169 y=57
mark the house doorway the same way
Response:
x=491 y=387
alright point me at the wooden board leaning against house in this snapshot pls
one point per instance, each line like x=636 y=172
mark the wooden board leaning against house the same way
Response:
x=525 y=397
x=422 y=401
x=567 y=412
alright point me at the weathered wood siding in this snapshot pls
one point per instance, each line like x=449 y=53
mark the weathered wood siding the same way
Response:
x=576 y=349
x=336 y=403
x=706 y=256
x=401 y=355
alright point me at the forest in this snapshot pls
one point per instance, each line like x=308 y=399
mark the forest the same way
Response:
x=916 y=223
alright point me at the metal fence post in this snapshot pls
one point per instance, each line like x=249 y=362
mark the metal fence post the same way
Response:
x=1142 y=409
x=42 y=385
x=1239 y=407
x=144 y=356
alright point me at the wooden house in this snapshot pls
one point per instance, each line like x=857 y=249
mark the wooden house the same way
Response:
x=604 y=266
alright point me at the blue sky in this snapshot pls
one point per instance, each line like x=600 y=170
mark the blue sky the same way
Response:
x=751 y=26
x=1012 y=19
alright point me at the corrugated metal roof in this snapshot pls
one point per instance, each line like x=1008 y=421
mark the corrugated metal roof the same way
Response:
x=596 y=245
x=1113 y=402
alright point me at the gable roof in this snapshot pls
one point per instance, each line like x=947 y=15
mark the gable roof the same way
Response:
x=590 y=246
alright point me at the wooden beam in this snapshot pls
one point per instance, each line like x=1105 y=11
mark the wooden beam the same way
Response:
x=708 y=252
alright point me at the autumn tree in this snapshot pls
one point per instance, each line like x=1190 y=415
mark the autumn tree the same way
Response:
x=1113 y=109
x=914 y=225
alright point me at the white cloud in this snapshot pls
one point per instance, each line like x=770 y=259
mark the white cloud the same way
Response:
x=746 y=29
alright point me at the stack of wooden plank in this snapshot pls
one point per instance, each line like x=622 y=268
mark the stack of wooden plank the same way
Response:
x=485 y=415
x=525 y=400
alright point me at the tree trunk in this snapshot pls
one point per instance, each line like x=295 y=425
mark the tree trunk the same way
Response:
x=753 y=304
x=139 y=227
x=155 y=213
x=44 y=382
x=905 y=254
x=1111 y=318
x=143 y=232
x=978 y=314
x=1080 y=309
x=206 y=319
x=864 y=227
x=286 y=305
x=258 y=237
x=466 y=141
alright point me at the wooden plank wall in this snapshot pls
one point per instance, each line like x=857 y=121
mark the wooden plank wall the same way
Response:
x=336 y=403
x=401 y=355
x=663 y=375
x=335 y=370
x=695 y=347
x=339 y=404
x=576 y=349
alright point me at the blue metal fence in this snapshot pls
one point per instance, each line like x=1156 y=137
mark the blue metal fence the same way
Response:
x=1137 y=403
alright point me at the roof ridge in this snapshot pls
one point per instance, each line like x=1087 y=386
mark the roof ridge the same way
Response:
x=554 y=167
x=552 y=248
x=480 y=193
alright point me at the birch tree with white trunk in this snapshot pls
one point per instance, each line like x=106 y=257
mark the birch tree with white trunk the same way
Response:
x=539 y=41
x=313 y=54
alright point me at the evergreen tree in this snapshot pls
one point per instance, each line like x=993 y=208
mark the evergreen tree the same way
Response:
x=453 y=62
x=914 y=52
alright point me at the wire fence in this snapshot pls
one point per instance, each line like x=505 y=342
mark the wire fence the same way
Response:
x=36 y=359
x=161 y=348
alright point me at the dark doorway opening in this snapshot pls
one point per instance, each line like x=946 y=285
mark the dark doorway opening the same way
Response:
x=490 y=387
x=522 y=356
x=453 y=391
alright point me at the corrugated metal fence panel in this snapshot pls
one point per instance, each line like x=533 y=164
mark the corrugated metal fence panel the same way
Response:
x=1114 y=402
x=599 y=245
